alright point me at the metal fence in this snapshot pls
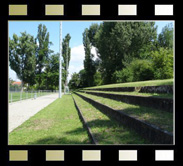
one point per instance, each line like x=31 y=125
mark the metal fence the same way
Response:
x=19 y=95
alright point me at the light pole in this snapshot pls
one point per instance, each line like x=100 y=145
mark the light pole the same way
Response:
x=60 y=63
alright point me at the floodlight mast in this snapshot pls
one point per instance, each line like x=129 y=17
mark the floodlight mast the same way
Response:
x=60 y=63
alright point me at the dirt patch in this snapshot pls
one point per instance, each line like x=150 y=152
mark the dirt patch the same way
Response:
x=40 y=124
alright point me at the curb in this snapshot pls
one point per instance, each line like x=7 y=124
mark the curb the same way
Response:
x=93 y=140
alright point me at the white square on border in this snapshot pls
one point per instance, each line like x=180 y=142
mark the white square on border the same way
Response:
x=127 y=10
x=164 y=155
x=163 y=10
x=90 y=10
x=127 y=155
x=91 y=155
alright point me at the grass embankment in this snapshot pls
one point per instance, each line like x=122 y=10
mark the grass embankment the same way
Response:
x=170 y=96
x=58 y=123
x=104 y=129
x=136 y=84
x=162 y=119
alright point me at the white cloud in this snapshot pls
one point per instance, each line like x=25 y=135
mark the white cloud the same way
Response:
x=77 y=54
x=77 y=58
x=93 y=51
x=13 y=75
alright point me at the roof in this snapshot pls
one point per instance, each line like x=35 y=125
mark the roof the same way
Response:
x=16 y=83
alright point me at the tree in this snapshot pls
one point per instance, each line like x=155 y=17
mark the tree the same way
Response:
x=66 y=53
x=162 y=61
x=22 y=57
x=51 y=73
x=117 y=42
x=43 y=51
x=89 y=64
x=165 y=38
x=74 y=81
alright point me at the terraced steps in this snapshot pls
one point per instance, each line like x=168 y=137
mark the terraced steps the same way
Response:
x=104 y=130
x=131 y=118
x=165 y=104
x=142 y=89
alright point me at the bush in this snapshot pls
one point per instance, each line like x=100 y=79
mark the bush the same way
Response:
x=137 y=70
x=97 y=79
x=162 y=61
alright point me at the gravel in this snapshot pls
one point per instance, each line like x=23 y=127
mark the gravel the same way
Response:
x=21 y=111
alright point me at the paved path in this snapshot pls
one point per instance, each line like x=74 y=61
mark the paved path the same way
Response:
x=21 y=111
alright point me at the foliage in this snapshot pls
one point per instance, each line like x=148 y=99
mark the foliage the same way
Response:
x=162 y=61
x=43 y=51
x=66 y=54
x=74 y=81
x=115 y=40
x=165 y=38
x=22 y=57
x=137 y=70
x=89 y=64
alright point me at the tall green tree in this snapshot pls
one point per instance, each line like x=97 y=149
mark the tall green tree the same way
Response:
x=89 y=64
x=22 y=57
x=66 y=53
x=43 y=50
x=117 y=42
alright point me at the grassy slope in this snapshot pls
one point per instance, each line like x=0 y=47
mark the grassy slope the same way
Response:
x=170 y=96
x=135 y=84
x=106 y=130
x=160 y=118
x=58 y=123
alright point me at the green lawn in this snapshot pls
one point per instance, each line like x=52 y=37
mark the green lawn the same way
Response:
x=106 y=130
x=159 y=118
x=136 y=84
x=58 y=123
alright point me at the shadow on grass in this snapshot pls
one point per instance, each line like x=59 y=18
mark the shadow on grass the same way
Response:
x=162 y=119
x=60 y=140
x=111 y=132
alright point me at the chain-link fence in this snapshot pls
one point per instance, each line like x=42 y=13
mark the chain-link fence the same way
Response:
x=19 y=95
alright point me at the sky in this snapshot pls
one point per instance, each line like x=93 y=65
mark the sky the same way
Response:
x=74 y=28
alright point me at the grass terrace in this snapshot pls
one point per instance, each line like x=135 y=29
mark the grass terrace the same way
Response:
x=162 y=119
x=136 y=84
x=106 y=130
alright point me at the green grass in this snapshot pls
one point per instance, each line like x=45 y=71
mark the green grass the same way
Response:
x=58 y=123
x=106 y=130
x=136 y=84
x=162 y=119
x=170 y=96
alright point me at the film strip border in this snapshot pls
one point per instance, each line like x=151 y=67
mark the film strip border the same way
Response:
x=90 y=155
x=90 y=10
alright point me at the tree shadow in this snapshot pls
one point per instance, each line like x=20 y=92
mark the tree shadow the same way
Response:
x=159 y=118
x=112 y=132
x=57 y=141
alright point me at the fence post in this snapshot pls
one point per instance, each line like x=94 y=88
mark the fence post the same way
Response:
x=11 y=97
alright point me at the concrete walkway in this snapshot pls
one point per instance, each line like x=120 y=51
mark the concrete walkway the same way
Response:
x=21 y=111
